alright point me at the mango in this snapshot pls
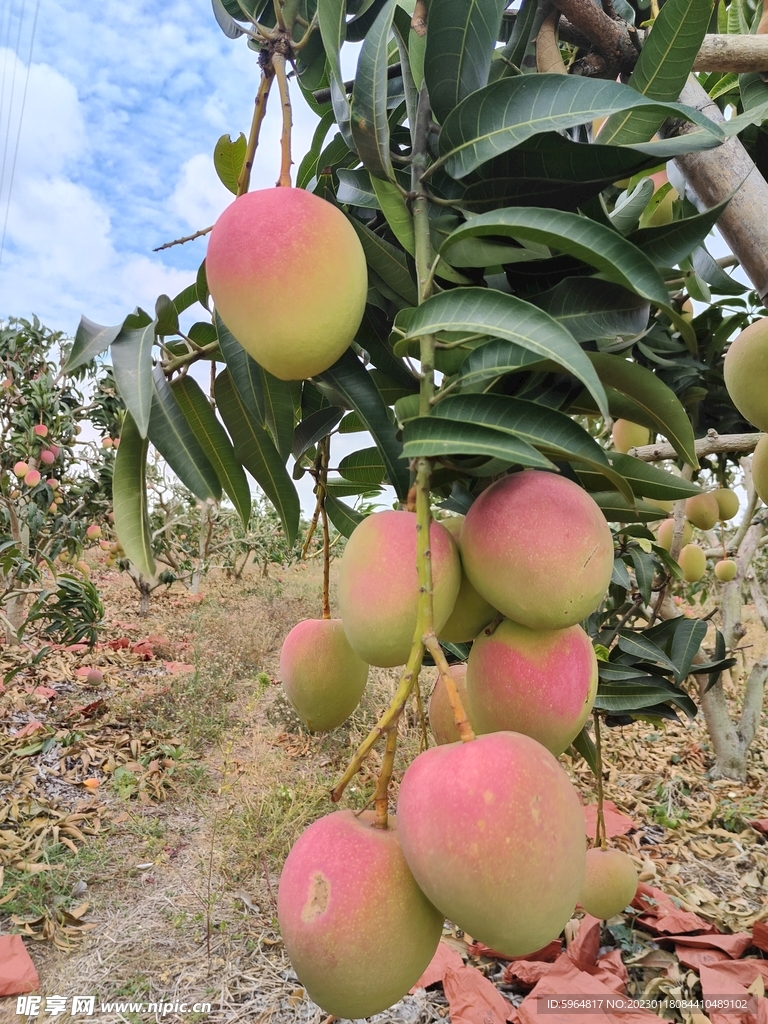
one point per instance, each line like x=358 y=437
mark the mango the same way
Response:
x=379 y=586
x=610 y=883
x=727 y=503
x=702 y=510
x=538 y=548
x=760 y=468
x=541 y=683
x=626 y=435
x=745 y=369
x=358 y=930
x=666 y=532
x=288 y=276
x=322 y=676
x=471 y=613
x=725 y=570
x=493 y=832
x=442 y=721
x=693 y=562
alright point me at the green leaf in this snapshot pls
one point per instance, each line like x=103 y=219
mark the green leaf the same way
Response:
x=494 y=360
x=350 y=378
x=356 y=188
x=459 y=48
x=667 y=245
x=661 y=408
x=505 y=113
x=186 y=298
x=132 y=365
x=687 y=640
x=590 y=308
x=433 y=435
x=129 y=498
x=486 y=311
x=91 y=340
x=633 y=642
x=387 y=261
x=314 y=427
x=278 y=411
x=396 y=212
x=174 y=438
x=650 y=482
x=342 y=488
x=166 y=317
x=228 y=157
x=214 y=442
x=331 y=16
x=629 y=697
x=550 y=432
x=308 y=166
x=365 y=466
x=662 y=68
x=593 y=243
x=584 y=744
x=369 y=121
x=617 y=509
x=202 y=286
x=246 y=374
x=256 y=451
x=344 y=518
x=644 y=566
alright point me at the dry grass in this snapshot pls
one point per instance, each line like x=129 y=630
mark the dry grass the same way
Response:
x=184 y=892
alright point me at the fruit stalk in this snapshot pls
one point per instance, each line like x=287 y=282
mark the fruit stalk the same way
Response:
x=385 y=775
x=259 y=110
x=324 y=449
x=278 y=64
x=459 y=714
x=600 y=838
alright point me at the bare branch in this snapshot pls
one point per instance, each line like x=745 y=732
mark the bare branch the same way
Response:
x=732 y=53
x=712 y=444
x=187 y=238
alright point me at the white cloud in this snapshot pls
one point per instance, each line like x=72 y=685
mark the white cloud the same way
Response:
x=199 y=196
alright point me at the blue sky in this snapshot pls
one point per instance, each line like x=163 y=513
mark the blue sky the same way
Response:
x=124 y=104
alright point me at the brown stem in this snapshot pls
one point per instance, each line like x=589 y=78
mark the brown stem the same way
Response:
x=466 y=732
x=259 y=110
x=278 y=63
x=186 y=238
x=712 y=444
x=600 y=838
x=385 y=777
x=611 y=37
x=325 y=452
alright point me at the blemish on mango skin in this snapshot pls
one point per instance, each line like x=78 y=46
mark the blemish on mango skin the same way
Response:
x=488 y=796
x=317 y=898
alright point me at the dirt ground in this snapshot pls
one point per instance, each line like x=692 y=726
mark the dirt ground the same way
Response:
x=186 y=778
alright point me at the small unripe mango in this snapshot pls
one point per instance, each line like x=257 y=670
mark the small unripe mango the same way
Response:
x=626 y=435
x=745 y=370
x=107 y=442
x=610 y=883
x=760 y=468
x=83 y=568
x=53 y=483
x=115 y=442
x=93 y=532
x=32 y=478
x=471 y=613
x=725 y=570
x=288 y=276
x=323 y=677
x=727 y=502
x=94 y=677
x=702 y=510
x=693 y=562
x=20 y=470
x=667 y=530
x=47 y=457
x=40 y=430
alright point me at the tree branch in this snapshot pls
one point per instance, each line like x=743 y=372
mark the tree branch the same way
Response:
x=732 y=53
x=712 y=444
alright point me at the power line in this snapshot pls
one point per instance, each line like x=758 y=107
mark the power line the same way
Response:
x=21 y=119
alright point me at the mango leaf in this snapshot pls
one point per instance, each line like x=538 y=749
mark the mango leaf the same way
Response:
x=650 y=481
x=664 y=64
x=91 y=339
x=356 y=188
x=590 y=308
x=505 y=113
x=129 y=498
x=368 y=114
x=486 y=311
x=620 y=575
x=226 y=22
x=687 y=640
x=599 y=246
x=660 y=406
x=633 y=642
x=365 y=466
x=331 y=17
x=433 y=435
x=387 y=261
x=396 y=212
x=278 y=411
x=351 y=380
x=459 y=47
x=668 y=244
x=630 y=697
x=495 y=359
x=228 y=157
x=344 y=518
x=256 y=451
x=166 y=317
x=584 y=744
x=308 y=166
x=132 y=365
x=174 y=438
x=246 y=374
x=617 y=509
x=214 y=442
x=314 y=427
x=187 y=297
x=645 y=567
x=550 y=432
